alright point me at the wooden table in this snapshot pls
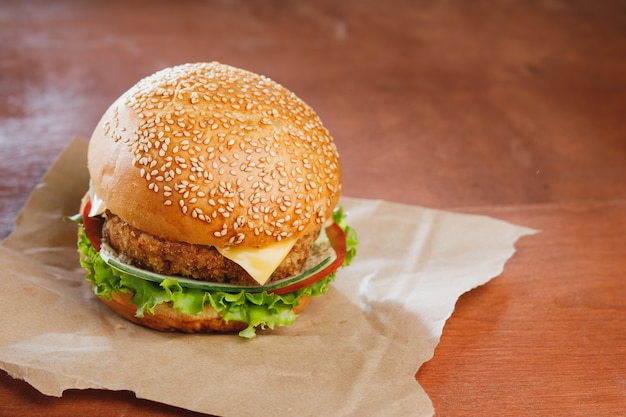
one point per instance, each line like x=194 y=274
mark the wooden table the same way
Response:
x=515 y=110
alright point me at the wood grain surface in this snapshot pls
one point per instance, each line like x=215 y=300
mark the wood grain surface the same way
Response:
x=513 y=109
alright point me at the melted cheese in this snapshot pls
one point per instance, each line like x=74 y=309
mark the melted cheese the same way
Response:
x=259 y=263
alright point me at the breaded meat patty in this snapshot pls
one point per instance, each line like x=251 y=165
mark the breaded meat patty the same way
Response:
x=194 y=261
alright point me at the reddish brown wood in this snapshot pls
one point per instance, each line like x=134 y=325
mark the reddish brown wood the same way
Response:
x=548 y=336
x=510 y=109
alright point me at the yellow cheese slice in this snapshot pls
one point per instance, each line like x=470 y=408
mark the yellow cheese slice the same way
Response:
x=259 y=263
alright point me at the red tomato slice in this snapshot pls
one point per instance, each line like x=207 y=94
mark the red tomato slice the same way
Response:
x=92 y=226
x=337 y=239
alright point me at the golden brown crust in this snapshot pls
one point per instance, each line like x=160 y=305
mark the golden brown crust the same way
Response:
x=222 y=155
x=166 y=318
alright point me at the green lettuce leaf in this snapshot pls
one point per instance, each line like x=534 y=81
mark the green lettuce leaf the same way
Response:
x=257 y=310
x=352 y=240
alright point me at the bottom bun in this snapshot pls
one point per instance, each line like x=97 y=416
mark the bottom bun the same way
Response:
x=167 y=318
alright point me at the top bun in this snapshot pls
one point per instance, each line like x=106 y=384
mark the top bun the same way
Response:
x=210 y=154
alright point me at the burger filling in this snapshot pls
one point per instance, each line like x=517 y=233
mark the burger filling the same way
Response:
x=196 y=261
x=256 y=309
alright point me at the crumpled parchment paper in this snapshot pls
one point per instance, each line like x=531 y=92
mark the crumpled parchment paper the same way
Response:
x=353 y=352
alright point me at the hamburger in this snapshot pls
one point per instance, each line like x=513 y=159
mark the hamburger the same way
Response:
x=213 y=203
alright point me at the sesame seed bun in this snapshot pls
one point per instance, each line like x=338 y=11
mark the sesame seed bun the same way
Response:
x=214 y=155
